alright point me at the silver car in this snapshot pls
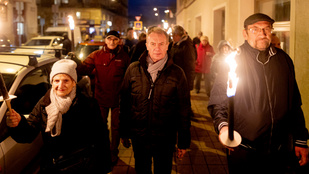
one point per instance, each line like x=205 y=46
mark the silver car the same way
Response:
x=26 y=77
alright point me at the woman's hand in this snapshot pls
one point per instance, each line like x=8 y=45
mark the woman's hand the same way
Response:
x=12 y=118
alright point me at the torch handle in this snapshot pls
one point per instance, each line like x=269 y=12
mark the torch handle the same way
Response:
x=231 y=118
x=8 y=104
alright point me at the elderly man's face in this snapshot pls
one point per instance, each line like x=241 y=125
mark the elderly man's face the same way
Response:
x=157 y=46
x=62 y=84
x=112 y=42
x=258 y=35
x=176 y=38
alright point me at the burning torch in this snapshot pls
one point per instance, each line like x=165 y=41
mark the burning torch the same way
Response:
x=231 y=138
x=72 y=25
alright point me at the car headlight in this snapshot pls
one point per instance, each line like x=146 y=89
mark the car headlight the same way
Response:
x=81 y=55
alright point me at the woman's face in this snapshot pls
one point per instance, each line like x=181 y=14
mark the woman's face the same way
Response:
x=63 y=84
x=204 y=42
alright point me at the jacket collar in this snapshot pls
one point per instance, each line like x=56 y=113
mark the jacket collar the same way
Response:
x=114 y=51
x=183 y=38
x=143 y=61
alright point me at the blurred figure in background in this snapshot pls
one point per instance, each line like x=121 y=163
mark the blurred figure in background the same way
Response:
x=275 y=41
x=139 y=48
x=224 y=48
x=130 y=40
x=183 y=53
x=205 y=52
x=67 y=44
x=196 y=40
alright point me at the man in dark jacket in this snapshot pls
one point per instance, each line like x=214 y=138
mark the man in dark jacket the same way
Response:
x=267 y=105
x=155 y=107
x=183 y=53
x=109 y=65
x=67 y=45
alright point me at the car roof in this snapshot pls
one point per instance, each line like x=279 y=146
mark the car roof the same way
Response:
x=46 y=37
x=11 y=63
x=93 y=43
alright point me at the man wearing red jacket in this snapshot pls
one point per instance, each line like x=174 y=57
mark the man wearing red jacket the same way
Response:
x=109 y=65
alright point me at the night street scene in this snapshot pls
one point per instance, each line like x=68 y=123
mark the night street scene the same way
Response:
x=154 y=86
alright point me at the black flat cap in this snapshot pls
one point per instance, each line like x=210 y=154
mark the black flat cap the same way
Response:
x=113 y=33
x=256 y=18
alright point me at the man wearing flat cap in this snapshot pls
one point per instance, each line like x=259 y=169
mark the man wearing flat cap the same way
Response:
x=267 y=106
x=109 y=65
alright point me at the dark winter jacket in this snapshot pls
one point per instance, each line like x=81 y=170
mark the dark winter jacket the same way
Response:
x=153 y=112
x=184 y=55
x=67 y=46
x=82 y=127
x=267 y=104
x=110 y=67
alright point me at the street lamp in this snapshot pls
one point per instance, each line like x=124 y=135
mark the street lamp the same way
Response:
x=157 y=13
x=72 y=25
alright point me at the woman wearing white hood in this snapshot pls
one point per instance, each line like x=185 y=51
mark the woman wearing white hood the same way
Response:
x=75 y=137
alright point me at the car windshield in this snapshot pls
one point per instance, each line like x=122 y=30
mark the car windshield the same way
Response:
x=84 y=50
x=38 y=42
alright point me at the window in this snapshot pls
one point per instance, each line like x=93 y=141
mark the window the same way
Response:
x=31 y=89
x=65 y=1
x=280 y=11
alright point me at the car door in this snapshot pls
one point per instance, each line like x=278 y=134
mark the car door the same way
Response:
x=17 y=157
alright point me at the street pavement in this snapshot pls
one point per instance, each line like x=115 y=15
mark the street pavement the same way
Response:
x=206 y=154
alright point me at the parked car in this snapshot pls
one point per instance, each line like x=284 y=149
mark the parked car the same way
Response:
x=41 y=45
x=26 y=77
x=4 y=43
x=83 y=49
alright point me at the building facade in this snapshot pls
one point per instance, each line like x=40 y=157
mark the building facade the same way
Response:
x=18 y=20
x=102 y=16
x=223 y=19
x=21 y=20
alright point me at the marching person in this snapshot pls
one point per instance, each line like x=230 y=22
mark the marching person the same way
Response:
x=74 y=135
x=205 y=52
x=267 y=105
x=109 y=65
x=155 y=107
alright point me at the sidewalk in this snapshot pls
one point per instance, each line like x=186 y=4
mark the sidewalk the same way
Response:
x=205 y=156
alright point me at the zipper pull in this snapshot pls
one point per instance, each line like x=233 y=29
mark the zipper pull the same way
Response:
x=150 y=91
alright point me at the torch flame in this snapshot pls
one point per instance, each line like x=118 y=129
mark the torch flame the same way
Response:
x=71 y=22
x=232 y=77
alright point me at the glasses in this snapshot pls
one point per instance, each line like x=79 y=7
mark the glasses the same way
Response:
x=112 y=39
x=256 y=30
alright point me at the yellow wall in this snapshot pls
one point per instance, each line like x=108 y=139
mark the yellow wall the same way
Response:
x=300 y=51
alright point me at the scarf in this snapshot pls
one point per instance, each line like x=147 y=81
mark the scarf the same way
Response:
x=155 y=67
x=58 y=106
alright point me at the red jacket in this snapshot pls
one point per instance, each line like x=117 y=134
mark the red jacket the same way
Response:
x=203 y=61
x=110 y=67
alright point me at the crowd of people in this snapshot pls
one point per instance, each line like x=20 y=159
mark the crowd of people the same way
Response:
x=145 y=84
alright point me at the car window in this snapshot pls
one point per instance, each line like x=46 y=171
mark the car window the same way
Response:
x=84 y=50
x=31 y=89
x=38 y=42
x=57 y=41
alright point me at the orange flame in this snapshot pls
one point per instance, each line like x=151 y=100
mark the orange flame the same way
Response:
x=232 y=76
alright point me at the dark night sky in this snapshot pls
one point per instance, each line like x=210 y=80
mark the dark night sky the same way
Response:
x=145 y=8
